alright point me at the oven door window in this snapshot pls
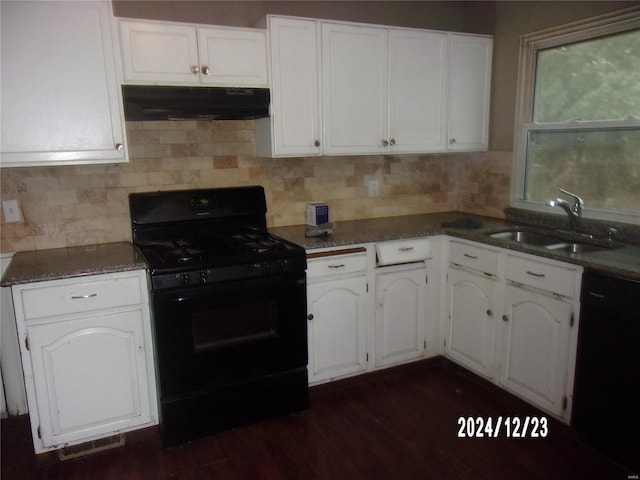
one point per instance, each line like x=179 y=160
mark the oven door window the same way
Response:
x=234 y=325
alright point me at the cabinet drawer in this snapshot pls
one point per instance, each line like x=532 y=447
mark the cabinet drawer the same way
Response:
x=333 y=263
x=552 y=278
x=474 y=257
x=81 y=296
x=403 y=251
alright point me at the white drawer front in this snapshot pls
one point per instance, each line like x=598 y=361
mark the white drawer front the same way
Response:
x=474 y=257
x=552 y=278
x=80 y=296
x=403 y=251
x=336 y=264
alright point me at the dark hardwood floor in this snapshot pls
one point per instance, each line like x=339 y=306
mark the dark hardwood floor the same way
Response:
x=400 y=423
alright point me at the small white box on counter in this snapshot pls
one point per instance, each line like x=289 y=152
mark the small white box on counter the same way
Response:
x=317 y=213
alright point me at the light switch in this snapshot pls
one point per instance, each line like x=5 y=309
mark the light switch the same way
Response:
x=11 y=211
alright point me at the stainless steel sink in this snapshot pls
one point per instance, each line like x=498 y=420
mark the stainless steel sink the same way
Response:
x=568 y=247
x=526 y=237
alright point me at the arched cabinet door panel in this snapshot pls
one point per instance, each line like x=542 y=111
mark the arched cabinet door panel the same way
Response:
x=87 y=357
x=400 y=315
x=337 y=317
x=535 y=347
x=89 y=375
x=471 y=320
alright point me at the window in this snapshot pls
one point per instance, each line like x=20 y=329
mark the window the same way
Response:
x=579 y=117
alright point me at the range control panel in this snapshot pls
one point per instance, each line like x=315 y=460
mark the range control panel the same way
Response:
x=209 y=276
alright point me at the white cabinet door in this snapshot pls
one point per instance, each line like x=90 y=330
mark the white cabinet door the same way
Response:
x=294 y=126
x=87 y=360
x=61 y=101
x=511 y=318
x=471 y=324
x=374 y=89
x=233 y=57
x=162 y=53
x=159 y=53
x=469 y=91
x=90 y=376
x=400 y=315
x=337 y=312
x=354 y=76
x=535 y=337
x=417 y=91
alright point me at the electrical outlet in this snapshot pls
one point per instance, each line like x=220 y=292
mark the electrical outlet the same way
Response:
x=374 y=188
x=11 y=211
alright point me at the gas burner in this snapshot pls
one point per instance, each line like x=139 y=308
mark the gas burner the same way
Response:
x=185 y=255
x=176 y=251
x=254 y=243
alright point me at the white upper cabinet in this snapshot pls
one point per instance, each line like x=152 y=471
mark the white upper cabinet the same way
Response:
x=61 y=100
x=293 y=129
x=162 y=53
x=341 y=88
x=153 y=52
x=384 y=90
x=469 y=92
x=417 y=91
x=354 y=78
x=233 y=56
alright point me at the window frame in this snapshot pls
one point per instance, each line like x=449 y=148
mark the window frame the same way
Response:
x=608 y=24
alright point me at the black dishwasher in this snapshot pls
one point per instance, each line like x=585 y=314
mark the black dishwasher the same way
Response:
x=606 y=408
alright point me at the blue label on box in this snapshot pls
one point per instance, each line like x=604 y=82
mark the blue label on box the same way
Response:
x=322 y=214
x=317 y=214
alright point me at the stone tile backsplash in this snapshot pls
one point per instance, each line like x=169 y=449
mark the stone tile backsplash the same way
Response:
x=81 y=205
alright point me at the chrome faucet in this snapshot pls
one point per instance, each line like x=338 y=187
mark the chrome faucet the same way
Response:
x=574 y=212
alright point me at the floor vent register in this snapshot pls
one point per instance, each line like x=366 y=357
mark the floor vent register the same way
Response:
x=87 y=448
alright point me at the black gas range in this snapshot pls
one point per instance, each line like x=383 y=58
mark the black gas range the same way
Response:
x=229 y=309
x=197 y=237
x=200 y=261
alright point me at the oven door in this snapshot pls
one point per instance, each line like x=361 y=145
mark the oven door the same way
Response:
x=230 y=332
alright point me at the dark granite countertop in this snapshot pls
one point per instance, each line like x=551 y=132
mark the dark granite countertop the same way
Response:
x=622 y=262
x=59 y=263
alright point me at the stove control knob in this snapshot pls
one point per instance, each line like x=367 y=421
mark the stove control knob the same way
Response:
x=203 y=276
x=266 y=268
x=186 y=279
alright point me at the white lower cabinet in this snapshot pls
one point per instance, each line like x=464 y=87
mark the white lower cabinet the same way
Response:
x=337 y=312
x=471 y=320
x=512 y=318
x=337 y=328
x=535 y=340
x=538 y=332
x=507 y=316
x=400 y=314
x=88 y=360
x=353 y=328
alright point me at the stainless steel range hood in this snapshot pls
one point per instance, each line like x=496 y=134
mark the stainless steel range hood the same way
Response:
x=187 y=103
